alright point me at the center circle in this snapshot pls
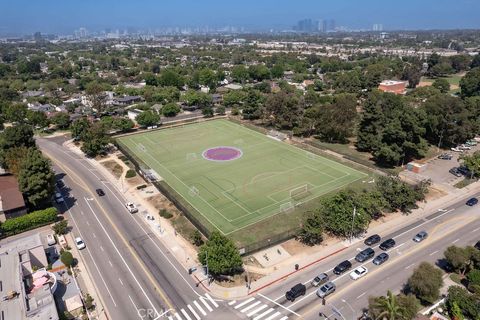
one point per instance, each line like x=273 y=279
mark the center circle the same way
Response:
x=222 y=153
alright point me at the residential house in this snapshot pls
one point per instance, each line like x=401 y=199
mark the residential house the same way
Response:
x=217 y=98
x=127 y=100
x=12 y=203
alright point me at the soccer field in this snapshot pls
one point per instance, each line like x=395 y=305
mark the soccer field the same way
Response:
x=235 y=177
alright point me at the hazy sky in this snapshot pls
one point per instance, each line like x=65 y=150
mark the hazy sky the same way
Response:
x=62 y=16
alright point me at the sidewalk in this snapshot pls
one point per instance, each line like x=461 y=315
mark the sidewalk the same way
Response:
x=182 y=250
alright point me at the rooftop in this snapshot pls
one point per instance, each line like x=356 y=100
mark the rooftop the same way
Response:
x=10 y=195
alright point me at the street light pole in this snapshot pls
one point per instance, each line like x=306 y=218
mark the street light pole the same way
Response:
x=351 y=308
x=353 y=222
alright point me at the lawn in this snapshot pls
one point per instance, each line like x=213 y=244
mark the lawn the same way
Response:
x=234 y=177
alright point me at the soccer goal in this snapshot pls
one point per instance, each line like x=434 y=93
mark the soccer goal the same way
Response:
x=191 y=156
x=287 y=207
x=193 y=191
x=299 y=192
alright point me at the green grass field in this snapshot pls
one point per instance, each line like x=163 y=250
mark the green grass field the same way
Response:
x=270 y=177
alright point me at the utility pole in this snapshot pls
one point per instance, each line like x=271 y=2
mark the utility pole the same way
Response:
x=353 y=223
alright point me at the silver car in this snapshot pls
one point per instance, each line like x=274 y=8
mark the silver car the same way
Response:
x=320 y=279
x=326 y=289
x=422 y=235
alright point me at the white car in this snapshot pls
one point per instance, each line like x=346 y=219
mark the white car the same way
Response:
x=464 y=147
x=79 y=243
x=51 y=239
x=456 y=149
x=59 y=197
x=131 y=207
x=358 y=273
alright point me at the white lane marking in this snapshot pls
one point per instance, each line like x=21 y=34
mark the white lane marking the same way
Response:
x=94 y=235
x=88 y=223
x=253 y=305
x=238 y=306
x=101 y=248
x=121 y=282
x=110 y=262
x=123 y=259
x=454 y=241
x=206 y=304
x=211 y=300
x=256 y=311
x=431 y=254
x=170 y=318
x=81 y=212
x=232 y=302
x=278 y=304
x=178 y=316
x=409 y=266
x=263 y=314
x=91 y=256
x=273 y=315
x=475 y=230
x=284 y=318
x=138 y=313
x=185 y=314
x=361 y=295
x=193 y=312
x=199 y=307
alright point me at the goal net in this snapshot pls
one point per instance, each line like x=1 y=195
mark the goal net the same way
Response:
x=193 y=191
x=191 y=156
x=287 y=207
x=299 y=192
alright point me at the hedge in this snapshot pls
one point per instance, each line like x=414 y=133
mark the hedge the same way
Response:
x=130 y=174
x=29 y=221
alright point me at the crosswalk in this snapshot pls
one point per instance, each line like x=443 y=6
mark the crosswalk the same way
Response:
x=256 y=309
x=196 y=310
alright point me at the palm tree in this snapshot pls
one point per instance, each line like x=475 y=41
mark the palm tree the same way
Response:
x=387 y=308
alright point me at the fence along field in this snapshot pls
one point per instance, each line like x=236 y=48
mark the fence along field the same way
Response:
x=235 y=177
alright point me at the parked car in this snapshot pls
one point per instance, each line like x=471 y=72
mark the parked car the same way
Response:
x=464 y=147
x=471 y=202
x=477 y=245
x=326 y=289
x=464 y=170
x=59 y=198
x=79 y=243
x=51 y=240
x=342 y=267
x=100 y=192
x=455 y=172
x=445 y=156
x=296 y=291
x=358 y=273
x=387 y=244
x=471 y=143
x=373 y=239
x=456 y=149
x=365 y=254
x=419 y=237
x=381 y=258
x=320 y=279
x=131 y=207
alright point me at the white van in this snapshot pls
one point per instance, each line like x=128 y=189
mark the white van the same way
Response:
x=51 y=239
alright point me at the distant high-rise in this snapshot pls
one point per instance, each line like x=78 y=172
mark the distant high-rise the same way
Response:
x=327 y=25
x=377 y=27
x=331 y=25
x=306 y=25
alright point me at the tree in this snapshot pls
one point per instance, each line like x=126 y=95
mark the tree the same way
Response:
x=259 y=72
x=171 y=78
x=472 y=162
x=196 y=238
x=312 y=229
x=277 y=71
x=399 y=195
x=67 y=258
x=14 y=158
x=441 y=69
x=61 y=120
x=60 y=227
x=122 y=124
x=207 y=112
x=475 y=62
x=470 y=83
x=466 y=302
x=220 y=255
x=207 y=78
x=170 y=110
x=80 y=128
x=410 y=304
x=412 y=74
x=425 y=282
x=36 y=178
x=442 y=85
x=96 y=95
x=13 y=137
x=196 y=98
x=148 y=118
x=240 y=74
x=386 y=307
x=95 y=140
x=37 y=119
x=283 y=110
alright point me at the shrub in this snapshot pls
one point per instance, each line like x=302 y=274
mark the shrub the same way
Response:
x=142 y=186
x=29 y=221
x=455 y=277
x=60 y=227
x=196 y=238
x=130 y=173
x=165 y=214
x=88 y=301
x=67 y=258
x=474 y=277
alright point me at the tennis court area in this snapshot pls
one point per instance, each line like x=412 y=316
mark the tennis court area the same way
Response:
x=235 y=177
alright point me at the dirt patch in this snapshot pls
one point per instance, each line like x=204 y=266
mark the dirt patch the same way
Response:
x=113 y=167
x=135 y=181
x=238 y=280
x=424 y=84
x=434 y=193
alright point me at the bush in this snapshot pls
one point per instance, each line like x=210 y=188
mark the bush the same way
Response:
x=67 y=258
x=196 y=238
x=60 y=227
x=88 y=301
x=455 y=277
x=142 y=186
x=29 y=221
x=130 y=174
x=165 y=214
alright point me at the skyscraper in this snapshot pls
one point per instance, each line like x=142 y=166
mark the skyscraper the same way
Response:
x=377 y=27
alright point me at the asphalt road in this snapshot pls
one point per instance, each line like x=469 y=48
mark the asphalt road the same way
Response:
x=457 y=224
x=135 y=273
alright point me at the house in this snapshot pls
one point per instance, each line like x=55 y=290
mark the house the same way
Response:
x=11 y=199
x=307 y=83
x=217 y=98
x=27 y=287
x=393 y=86
x=133 y=113
x=127 y=100
x=33 y=93
x=46 y=108
x=233 y=86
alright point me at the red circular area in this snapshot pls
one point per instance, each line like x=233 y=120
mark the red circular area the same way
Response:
x=222 y=153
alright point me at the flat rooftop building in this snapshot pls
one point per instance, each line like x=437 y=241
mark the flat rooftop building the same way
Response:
x=393 y=86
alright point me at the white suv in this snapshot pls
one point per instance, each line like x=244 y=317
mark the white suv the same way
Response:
x=131 y=207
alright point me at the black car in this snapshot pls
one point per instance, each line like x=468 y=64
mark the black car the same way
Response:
x=375 y=238
x=381 y=258
x=455 y=172
x=100 y=192
x=342 y=267
x=477 y=245
x=296 y=291
x=364 y=255
x=445 y=156
x=472 y=202
x=387 y=244
x=464 y=170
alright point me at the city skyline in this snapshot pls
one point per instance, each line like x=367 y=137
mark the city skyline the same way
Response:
x=63 y=18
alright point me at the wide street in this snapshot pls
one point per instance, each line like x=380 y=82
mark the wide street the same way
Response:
x=135 y=272
x=132 y=269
